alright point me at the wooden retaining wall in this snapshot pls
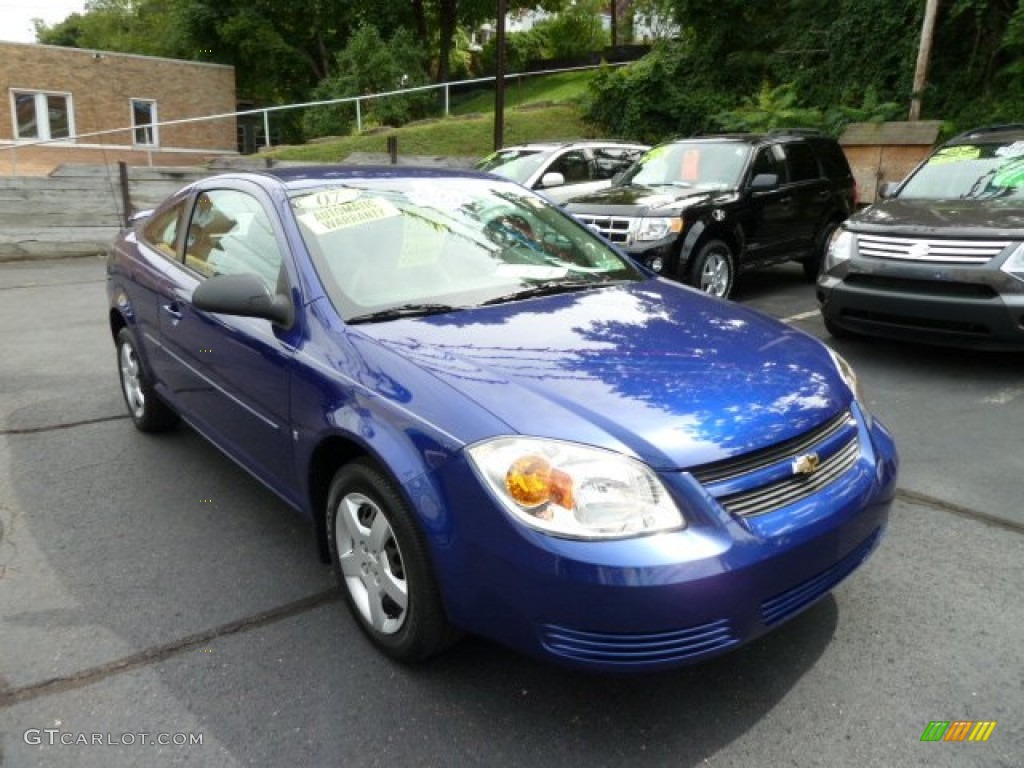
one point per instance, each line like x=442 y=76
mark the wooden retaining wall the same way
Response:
x=77 y=210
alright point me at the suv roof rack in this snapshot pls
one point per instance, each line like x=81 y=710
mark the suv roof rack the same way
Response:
x=795 y=132
x=1000 y=128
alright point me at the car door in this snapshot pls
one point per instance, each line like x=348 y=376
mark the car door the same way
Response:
x=811 y=193
x=230 y=376
x=769 y=223
x=577 y=170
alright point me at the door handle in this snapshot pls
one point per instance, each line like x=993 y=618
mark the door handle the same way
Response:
x=173 y=311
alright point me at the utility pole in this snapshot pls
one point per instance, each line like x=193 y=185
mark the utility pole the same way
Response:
x=924 y=53
x=499 y=82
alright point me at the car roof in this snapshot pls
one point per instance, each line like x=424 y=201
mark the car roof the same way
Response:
x=990 y=134
x=298 y=177
x=551 y=145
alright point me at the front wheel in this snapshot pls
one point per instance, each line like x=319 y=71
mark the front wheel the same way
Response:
x=149 y=413
x=382 y=566
x=714 y=269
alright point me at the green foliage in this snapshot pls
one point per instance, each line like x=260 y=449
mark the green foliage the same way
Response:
x=367 y=65
x=520 y=48
x=667 y=93
x=576 y=31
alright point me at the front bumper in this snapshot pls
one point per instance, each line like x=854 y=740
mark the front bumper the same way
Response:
x=976 y=307
x=671 y=599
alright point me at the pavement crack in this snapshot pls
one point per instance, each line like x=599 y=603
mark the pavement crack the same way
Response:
x=916 y=497
x=23 y=286
x=159 y=653
x=64 y=425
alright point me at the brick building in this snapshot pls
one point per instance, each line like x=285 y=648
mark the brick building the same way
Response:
x=60 y=95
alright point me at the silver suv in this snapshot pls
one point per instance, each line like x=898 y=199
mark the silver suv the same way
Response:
x=563 y=170
x=941 y=258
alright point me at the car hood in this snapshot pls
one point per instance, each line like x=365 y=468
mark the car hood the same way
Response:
x=636 y=200
x=962 y=218
x=653 y=369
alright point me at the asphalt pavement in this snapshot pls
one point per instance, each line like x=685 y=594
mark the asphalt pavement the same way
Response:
x=151 y=591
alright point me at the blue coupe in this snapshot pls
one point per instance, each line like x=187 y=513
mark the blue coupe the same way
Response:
x=496 y=422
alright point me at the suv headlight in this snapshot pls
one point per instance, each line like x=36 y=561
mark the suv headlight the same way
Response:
x=656 y=229
x=1014 y=266
x=574 y=491
x=839 y=249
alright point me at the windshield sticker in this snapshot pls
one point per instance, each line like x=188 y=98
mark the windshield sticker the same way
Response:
x=1011 y=150
x=440 y=198
x=326 y=198
x=532 y=271
x=334 y=217
x=955 y=155
x=1010 y=176
x=654 y=154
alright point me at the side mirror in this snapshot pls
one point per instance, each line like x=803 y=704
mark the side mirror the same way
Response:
x=888 y=189
x=764 y=182
x=245 y=295
x=553 y=179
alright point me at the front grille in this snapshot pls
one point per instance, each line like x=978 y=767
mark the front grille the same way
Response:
x=741 y=492
x=942 y=288
x=908 y=322
x=617 y=229
x=786 y=450
x=930 y=251
x=638 y=648
x=779 y=608
x=793 y=489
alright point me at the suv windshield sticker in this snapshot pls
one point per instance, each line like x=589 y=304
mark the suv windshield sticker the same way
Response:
x=955 y=154
x=334 y=217
x=1011 y=150
x=691 y=165
x=1010 y=175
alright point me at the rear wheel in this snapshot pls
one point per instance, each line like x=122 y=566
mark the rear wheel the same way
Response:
x=714 y=269
x=149 y=413
x=381 y=562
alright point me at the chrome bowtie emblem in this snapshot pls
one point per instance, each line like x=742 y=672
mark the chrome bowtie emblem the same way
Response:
x=807 y=464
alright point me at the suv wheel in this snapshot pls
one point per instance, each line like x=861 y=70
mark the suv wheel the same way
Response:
x=714 y=269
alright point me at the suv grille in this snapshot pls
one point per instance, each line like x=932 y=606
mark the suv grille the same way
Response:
x=835 y=442
x=930 y=251
x=617 y=229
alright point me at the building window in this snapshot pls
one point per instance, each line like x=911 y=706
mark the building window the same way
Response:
x=144 y=122
x=42 y=115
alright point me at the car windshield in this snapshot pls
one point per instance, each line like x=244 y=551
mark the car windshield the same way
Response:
x=515 y=164
x=966 y=171
x=425 y=245
x=705 y=164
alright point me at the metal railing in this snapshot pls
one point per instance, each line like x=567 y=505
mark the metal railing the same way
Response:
x=70 y=141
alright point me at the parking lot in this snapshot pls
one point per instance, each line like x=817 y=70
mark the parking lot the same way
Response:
x=150 y=587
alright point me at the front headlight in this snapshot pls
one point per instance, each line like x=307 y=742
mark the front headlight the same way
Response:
x=849 y=377
x=839 y=249
x=656 y=229
x=574 y=491
x=1014 y=266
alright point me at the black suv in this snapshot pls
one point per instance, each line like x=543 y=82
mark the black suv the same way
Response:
x=940 y=259
x=702 y=210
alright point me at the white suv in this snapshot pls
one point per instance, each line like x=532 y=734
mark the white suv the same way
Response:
x=563 y=170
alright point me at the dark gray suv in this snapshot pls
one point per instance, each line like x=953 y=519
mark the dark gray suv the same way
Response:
x=941 y=258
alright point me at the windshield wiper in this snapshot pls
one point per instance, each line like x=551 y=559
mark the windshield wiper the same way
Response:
x=405 y=310
x=551 y=288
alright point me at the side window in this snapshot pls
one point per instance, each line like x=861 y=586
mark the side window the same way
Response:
x=764 y=162
x=803 y=165
x=230 y=233
x=161 y=231
x=608 y=162
x=573 y=166
x=833 y=160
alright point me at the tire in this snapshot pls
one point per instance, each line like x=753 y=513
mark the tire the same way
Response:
x=714 y=269
x=812 y=264
x=148 y=412
x=380 y=560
